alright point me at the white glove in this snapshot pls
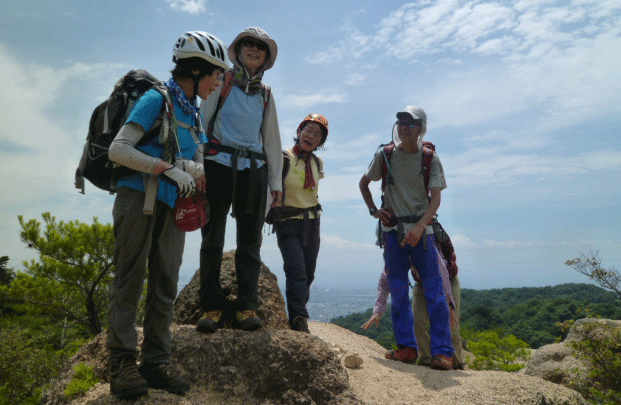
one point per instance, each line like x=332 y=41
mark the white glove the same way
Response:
x=182 y=180
x=195 y=170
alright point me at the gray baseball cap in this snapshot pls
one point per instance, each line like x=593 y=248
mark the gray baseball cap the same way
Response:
x=414 y=112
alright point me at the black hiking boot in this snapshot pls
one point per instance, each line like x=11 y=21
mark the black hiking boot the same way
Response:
x=300 y=324
x=125 y=380
x=163 y=377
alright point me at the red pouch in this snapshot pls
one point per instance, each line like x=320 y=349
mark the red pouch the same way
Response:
x=191 y=213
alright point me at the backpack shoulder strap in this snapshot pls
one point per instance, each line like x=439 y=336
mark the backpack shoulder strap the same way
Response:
x=224 y=93
x=226 y=89
x=267 y=92
x=429 y=149
x=286 y=164
x=386 y=172
x=317 y=162
x=161 y=126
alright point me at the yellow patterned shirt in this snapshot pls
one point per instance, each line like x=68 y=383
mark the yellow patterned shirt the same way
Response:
x=295 y=194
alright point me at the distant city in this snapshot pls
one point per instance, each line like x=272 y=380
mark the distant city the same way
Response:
x=325 y=304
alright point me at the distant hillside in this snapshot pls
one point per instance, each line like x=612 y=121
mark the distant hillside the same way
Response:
x=530 y=313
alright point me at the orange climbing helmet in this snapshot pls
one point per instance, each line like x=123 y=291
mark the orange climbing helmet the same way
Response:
x=318 y=118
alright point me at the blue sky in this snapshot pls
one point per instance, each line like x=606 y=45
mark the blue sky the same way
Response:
x=523 y=101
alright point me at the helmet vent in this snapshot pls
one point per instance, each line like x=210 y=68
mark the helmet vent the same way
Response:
x=211 y=48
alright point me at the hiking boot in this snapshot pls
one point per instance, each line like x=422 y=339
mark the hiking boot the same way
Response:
x=209 y=321
x=249 y=320
x=300 y=324
x=163 y=377
x=403 y=354
x=458 y=365
x=125 y=380
x=441 y=362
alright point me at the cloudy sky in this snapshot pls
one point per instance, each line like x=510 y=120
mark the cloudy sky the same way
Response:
x=523 y=101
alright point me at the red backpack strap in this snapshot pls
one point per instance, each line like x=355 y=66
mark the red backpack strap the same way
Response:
x=267 y=91
x=226 y=89
x=429 y=149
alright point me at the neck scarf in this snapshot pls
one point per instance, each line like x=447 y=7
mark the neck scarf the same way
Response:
x=309 y=179
x=242 y=80
x=189 y=107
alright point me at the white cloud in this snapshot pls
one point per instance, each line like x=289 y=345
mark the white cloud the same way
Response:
x=479 y=167
x=355 y=79
x=335 y=242
x=188 y=6
x=307 y=101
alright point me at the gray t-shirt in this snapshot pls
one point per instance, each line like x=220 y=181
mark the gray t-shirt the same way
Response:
x=407 y=196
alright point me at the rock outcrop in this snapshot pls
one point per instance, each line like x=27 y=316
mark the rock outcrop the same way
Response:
x=271 y=302
x=231 y=367
x=278 y=366
x=557 y=363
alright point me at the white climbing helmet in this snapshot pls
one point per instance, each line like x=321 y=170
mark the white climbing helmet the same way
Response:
x=200 y=44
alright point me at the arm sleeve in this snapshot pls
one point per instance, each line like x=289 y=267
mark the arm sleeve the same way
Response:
x=383 y=291
x=270 y=133
x=123 y=151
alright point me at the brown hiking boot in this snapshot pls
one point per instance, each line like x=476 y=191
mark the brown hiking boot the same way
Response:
x=300 y=324
x=209 y=321
x=249 y=320
x=403 y=354
x=441 y=362
x=125 y=380
x=163 y=377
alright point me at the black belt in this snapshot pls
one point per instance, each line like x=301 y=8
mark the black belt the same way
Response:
x=282 y=213
x=409 y=219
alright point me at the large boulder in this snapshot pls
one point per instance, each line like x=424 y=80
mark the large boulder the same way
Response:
x=229 y=367
x=557 y=363
x=271 y=302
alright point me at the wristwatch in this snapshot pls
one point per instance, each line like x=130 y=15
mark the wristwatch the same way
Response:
x=372 y=211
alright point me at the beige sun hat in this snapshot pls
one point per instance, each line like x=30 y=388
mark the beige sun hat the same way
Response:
x=261 y=35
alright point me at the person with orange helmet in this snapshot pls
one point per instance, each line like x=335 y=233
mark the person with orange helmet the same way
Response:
x=296 y=220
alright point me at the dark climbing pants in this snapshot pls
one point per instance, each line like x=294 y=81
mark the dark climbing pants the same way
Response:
x=249 y=219
x=299 y=262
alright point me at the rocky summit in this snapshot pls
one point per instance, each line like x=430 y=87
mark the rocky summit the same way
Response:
x=278 y=366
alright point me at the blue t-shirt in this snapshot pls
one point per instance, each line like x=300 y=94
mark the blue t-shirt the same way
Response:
x=145 y=112
x=239 y=125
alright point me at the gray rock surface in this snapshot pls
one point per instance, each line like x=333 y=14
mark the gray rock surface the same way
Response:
x=231 y=366
x=556 y=362
x=278 y=366
x=271 y=303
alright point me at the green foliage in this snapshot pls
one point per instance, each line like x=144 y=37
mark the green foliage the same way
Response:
x=599 y=345
x=496 y=350
x=71 y=278
x=532 y=313
x=6 y=274
x=84 y=379
x=26 y=364
x=382 y=334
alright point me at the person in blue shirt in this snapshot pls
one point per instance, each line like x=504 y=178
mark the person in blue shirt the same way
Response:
x=148 y=244
x=244 y=157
